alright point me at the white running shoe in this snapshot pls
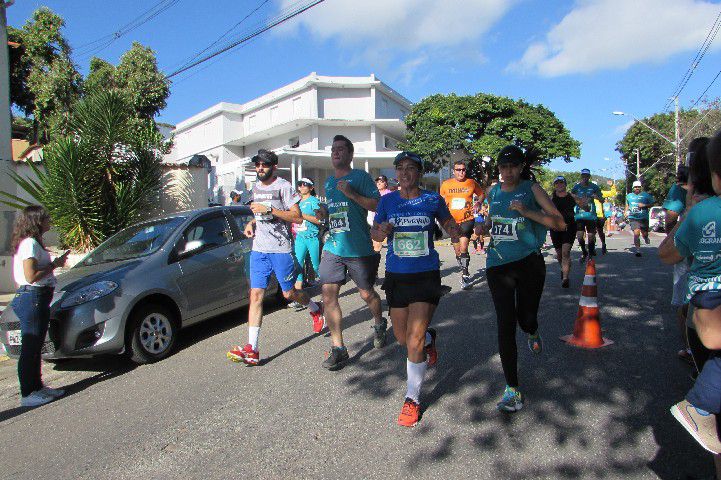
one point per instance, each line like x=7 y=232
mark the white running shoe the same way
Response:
x=53 y=392
x=36 y=399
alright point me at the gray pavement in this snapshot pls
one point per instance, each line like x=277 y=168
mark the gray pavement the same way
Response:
x=589 y=414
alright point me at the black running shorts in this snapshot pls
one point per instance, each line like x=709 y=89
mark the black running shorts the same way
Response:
x=466 y=228
x=402 y=289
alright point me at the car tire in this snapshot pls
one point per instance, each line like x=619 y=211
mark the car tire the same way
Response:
x=152 y=332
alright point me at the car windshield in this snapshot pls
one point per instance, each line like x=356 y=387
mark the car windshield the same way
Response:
x=133 y=242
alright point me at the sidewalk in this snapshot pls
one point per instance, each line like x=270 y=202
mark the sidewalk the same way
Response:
x=4 y=301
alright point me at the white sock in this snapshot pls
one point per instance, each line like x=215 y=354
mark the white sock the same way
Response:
x=416 y=372
x=312 y=306
x=253 y=333
x=429 y=339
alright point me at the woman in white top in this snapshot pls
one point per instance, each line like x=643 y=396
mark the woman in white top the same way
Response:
x=33 y=272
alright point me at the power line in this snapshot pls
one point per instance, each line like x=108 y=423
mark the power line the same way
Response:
x=700 y=97
x=96 y=46
x=291 y=13
x=186 y=62
x=710 y=37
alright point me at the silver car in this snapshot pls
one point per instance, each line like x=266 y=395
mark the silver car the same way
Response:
x=137 y=290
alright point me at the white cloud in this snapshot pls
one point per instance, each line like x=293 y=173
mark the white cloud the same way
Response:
x=614 y=34
x=621 y=129
x=402 y=24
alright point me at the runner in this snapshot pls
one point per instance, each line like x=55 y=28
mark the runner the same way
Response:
x=413 y=279
x=601 y=224
x=638 y=204
x=382 y=186
x=583 y=192
x=563 y=240
x=307 y=242
x=274 y=204
x=520 y=214
x=480 y=210
x=458 y=194
x=350 y=193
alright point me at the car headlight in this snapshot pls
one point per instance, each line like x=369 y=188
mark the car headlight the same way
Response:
x=89 y=293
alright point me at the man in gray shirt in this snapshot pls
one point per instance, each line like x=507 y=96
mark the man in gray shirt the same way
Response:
x=275 y=206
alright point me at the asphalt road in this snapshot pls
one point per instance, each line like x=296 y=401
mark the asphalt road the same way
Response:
x=588 y=414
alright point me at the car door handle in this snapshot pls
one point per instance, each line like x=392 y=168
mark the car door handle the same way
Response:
x=233 y=258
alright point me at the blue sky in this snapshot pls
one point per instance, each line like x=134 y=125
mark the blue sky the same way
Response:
x=582 y=59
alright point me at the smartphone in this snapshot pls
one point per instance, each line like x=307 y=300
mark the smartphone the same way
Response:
x=65 y=253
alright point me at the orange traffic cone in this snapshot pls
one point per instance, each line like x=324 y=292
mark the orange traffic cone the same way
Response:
x=587 y=329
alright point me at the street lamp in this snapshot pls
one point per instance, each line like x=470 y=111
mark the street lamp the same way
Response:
x=676 y=144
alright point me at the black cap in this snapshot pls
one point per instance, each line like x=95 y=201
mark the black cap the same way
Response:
x=411 y=156
x=382 y=177
x=265 y=156
x=511 y=154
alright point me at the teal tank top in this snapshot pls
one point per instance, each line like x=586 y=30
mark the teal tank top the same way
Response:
x=513 y=236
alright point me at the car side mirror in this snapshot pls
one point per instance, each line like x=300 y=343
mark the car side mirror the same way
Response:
x=191 y=247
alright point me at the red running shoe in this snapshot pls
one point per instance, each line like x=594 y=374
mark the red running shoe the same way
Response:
x=410 y=414
x=318 y=320
x=431 y=352
x=246 y=355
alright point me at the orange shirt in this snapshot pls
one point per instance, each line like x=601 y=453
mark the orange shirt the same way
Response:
x=459 y=197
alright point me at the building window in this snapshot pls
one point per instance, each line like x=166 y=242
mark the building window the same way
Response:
x=251 y=123
x=389 y=143
x=384 y=102
x=294 y=142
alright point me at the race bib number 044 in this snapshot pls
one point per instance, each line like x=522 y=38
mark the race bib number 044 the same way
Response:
x=338 y=222
x=504 y=229
x=410 y=244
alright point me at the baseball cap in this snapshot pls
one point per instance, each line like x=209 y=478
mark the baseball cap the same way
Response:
x=637 y=184
x=560 y=178
x=382 y=177
x=585 y=171
x=233 y=193
x=307 y=181
x=265 y=156
x=411 y=156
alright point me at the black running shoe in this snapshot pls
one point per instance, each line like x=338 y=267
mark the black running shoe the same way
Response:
x=604 y=251
x=337 y=358
x=565 y=283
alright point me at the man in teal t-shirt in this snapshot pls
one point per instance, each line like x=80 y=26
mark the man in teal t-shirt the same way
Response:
x=585 y=213
x=350 y=195
x=638 y=204
x=675 y=202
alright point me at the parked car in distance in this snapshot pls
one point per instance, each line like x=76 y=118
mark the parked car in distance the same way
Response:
x=135 y=291
x=656 y=219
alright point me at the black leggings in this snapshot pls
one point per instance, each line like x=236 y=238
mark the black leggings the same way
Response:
x=516 y=289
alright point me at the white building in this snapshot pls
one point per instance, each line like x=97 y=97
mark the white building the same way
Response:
x=298 y=122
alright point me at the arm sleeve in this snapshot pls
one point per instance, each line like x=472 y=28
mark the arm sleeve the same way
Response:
x=381 y=215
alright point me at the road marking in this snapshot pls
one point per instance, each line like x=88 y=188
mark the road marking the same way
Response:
x=4 y=358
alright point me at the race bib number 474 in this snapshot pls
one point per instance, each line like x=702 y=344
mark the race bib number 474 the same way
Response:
x=338 y=222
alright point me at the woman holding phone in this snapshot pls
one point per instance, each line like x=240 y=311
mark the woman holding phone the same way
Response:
x=33 y=271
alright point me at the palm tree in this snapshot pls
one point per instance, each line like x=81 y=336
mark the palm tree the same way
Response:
x=102 y=177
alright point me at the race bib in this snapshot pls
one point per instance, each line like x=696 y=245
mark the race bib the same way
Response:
x=504 y=229
x=338 y=222
x=458 y=203
x=302 y=227
x=635 y=210
x=264 y=217
x=410 y=244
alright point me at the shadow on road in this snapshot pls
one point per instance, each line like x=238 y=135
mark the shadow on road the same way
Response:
x=637 y=379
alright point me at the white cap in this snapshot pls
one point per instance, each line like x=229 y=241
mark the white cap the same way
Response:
x=307 y=180
x=637 y=184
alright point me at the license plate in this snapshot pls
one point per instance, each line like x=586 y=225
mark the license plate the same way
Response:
x=14 y=337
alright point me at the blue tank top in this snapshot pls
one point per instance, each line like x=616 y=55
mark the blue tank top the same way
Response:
x=513 y=236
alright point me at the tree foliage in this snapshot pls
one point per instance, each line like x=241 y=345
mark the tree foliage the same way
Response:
x=478 y=126
x=656 y=155
x=103 y=177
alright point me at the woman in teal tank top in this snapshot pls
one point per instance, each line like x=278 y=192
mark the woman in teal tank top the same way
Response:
x=520 y=214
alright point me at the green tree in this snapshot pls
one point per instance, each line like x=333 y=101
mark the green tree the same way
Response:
x=44 y=81
x=478 y=126
x=137 y=76
x=103 y=177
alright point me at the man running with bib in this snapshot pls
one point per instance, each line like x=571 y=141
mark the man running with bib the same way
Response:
x=584 y=192
x=638 y=204
x=348 y=251
x=413 y=279
x=458 y=194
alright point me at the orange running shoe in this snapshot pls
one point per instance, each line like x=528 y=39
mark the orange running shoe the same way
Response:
x=431 y=352
x=318 y=320
x=246 y=355
x=410 y=414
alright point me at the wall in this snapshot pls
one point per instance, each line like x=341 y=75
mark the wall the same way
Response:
x=278 y=112
x=345 y=103
x=386 y=107
x=360 y=136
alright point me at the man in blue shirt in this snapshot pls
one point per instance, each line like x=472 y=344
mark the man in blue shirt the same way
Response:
x=638 y=204
x=351 y=194
x=584 y=192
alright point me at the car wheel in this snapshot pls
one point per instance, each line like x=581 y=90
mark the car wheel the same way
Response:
x=152 y=333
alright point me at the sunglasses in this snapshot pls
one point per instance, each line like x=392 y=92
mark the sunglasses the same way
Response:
x=459 y=169
x=263 y=164
x=304 y=184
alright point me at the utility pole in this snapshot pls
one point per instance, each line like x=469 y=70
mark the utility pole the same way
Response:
x=677 y=138
x=7 y=215
x=638 y=164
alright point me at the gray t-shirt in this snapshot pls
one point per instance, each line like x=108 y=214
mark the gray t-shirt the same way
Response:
x=272 y=235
